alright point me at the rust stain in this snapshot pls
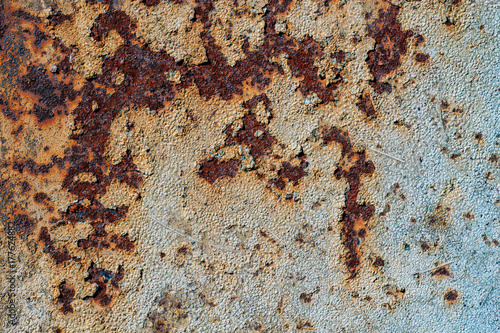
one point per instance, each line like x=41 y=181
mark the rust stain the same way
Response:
x=65 y=298
x=390 y=46
x=356 y=216
x=451 y=296
x=441 y=272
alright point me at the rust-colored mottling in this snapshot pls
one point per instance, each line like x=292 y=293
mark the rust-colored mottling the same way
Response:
x=441 y=272
x=32 y=167
x=213 y=169
x=18 y=130
x=101 y=278
x=151 y=3
x=52 y=95
x=451 y=296
x=252 y=134
x=58 y=256
x=40 y=197
x=425 y=247
x=365 y=105
x=390 y=46
x=113 y=20
x=355 y=217
x=421 y=57
x=23 y=225
x=419 y=40
x=65 y=298
x=291 y=173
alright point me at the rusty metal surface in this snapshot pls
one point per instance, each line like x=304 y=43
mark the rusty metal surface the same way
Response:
x=250 y=166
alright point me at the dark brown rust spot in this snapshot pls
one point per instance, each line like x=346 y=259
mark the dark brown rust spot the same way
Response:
x=52 y=96
x=40 y=197
x=23 y=225
x=213 y=169
x=101 y=278
x=378 y=262
x=390 y=46
x=66 y=296
x=355 y=217
x=305 y=298
x=113 y=20
x=451 y=296
x=292 y=173
x=424 y=246
x=421 y=57
x=58 y=256
x=252 y=134
x=441 y=272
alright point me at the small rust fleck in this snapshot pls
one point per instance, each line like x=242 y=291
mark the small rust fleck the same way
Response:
x=378 y=262
x=259 y=145
x=305 y=298
x=441 y=272
x=451 y=296
x=421 y=57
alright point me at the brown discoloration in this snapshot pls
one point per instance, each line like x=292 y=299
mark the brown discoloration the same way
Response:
x=424 y=246
x=59 y=256
x=421 y=57
x=213 y=169
x=390 y=46
x=171 y=315
x=365 y=105
x=40 y=197
x=292 y=173
x=451 y=296
x=356 y=216
x=378 y=262
x=23 y=225
x=305 y=298
x=252 y=134
x=51 y=95
x=305 y=325
x=101 y=278
x=441 y=272
x=113 y=20
x=65 y=298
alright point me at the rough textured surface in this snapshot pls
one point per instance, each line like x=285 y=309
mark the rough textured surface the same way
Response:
x=250 y=166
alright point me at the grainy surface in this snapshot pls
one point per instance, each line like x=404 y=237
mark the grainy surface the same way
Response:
x=250 y=166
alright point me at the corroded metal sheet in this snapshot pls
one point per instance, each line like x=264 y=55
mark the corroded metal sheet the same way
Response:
x=250 y=166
